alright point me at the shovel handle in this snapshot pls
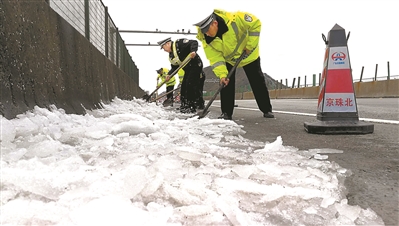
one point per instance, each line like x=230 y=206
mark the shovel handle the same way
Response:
x=205 y=111
x=183 y=64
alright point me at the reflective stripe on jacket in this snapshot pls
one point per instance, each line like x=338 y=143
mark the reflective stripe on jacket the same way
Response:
x=181 y=75
x=243 y=33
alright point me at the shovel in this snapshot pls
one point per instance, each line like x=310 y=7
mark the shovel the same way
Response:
x=184 y=63
x=159 y=97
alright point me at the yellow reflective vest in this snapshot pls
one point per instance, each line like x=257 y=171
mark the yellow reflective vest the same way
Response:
x=243 y=33
x=163 y=75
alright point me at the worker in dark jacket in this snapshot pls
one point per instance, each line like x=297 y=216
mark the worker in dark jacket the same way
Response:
x=178 y=51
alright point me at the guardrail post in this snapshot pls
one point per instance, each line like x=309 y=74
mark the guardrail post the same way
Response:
x=106 y=32
x=361 y=74
x=293 y=83
x=389 y=73
x=87 y=20
x=117 y=47
x=319 y=78
x=314 y=80
x=376 y=69
x=299 y=80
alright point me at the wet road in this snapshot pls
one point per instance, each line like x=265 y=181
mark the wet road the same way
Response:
x=372 y=158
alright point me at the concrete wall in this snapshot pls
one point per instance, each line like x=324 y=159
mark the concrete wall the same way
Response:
x=44 y=61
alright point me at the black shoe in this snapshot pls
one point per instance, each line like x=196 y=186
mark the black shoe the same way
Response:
x=268 y=115
x=184 y=110
x=225 y=116
x=187 y=110
x=168 y=103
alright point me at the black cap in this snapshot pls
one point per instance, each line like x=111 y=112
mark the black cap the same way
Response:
x=163 y=42
x=159 y=71
x=205 y=23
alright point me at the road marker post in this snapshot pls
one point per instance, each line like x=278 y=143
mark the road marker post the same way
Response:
x=337 y=111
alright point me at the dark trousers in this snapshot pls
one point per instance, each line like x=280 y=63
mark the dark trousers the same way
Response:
x=190 y=86
x=168 y=89
x=256 y=79
x=201 y=88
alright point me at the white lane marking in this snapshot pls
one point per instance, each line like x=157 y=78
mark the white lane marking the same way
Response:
x=396 y=122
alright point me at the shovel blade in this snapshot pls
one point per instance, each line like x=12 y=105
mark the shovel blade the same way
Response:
x=202 y=114
x=146 y=97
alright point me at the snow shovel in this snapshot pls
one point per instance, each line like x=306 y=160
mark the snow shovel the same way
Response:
x=184 y=63
x=205 y=111
x=159 y=97
x=148 y=97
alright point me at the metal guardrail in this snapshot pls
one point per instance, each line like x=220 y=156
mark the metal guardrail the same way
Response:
x=296 y=82
x=275 y=84
x=91 y=19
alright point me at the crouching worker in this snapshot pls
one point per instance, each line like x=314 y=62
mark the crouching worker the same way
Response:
x=170 y=85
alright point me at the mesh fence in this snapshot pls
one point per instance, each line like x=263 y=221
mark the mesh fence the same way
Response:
x=97 y=25
x=91 y=19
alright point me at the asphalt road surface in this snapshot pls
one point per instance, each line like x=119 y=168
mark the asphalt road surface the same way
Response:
x=372 y=158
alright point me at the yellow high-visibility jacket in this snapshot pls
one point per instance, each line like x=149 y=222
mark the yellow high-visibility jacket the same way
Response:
x=243 y=32
x=163 y=75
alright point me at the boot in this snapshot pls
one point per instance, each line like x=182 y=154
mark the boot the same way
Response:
x=225 y=116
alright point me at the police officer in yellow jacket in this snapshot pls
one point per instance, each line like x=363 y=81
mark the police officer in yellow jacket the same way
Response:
x=224 y=36
x=169 y=81
x=178 y=51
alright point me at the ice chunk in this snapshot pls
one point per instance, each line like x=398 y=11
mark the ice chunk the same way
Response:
x=320 y=157
x=135 y=180
x=191 y=156
x=229 y=206
x=351 y=212
x=180 y=196
x=244 y=171
x=44 y=149
x=14 y=156
x=134 y=128
x=276 y=146
x=153 y=185
x=8 y=131
x=325 y=151
x=327 y=202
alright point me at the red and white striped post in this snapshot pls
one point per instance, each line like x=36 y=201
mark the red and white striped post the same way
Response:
x=336 y=106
